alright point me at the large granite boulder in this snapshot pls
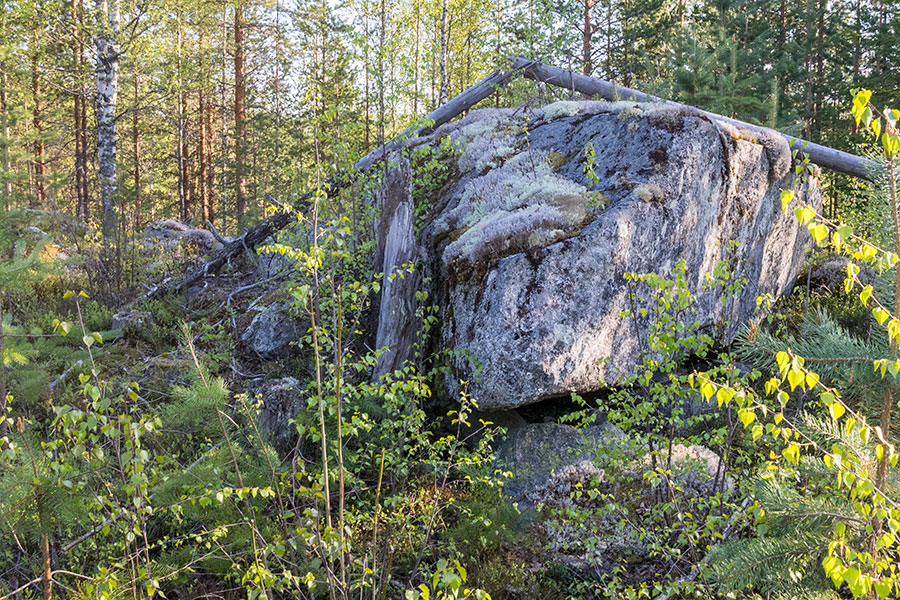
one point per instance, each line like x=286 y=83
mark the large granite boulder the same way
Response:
x=545 y=211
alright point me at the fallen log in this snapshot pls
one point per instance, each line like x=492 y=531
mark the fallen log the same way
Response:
x=220 y=257
x=256 y=235
x=826 y=157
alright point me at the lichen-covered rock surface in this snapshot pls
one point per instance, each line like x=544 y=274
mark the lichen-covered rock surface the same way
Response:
x=272 y=331
x=529 y=239
x=278 y=402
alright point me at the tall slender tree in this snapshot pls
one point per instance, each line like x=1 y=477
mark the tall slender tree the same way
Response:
x=40 y=183
x=445 y=52
x=240 y=115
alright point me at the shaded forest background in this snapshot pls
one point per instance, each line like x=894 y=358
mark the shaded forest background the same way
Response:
x=220 y=104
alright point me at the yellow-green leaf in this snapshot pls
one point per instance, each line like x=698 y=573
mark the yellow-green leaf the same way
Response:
x=836 y=410
x=786 y=197
x=795 y=378
x=865 y=294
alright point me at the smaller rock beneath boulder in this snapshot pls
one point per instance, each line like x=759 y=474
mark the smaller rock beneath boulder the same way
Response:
x=130 y=320
x=278 y=401
x=830 y=275
x=271 y=331
x=695 y=468
x=534 y=452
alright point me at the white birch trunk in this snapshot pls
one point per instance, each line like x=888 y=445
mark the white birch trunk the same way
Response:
x=107 y=68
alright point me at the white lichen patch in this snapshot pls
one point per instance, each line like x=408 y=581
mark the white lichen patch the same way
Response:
x=486 y=141
x=564 y=108
x=625 y=108
x=649 y=192
x=521 y=205
x=629 y=111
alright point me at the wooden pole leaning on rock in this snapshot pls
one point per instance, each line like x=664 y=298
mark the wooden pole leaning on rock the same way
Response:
x=823 y=156
x=256 y=235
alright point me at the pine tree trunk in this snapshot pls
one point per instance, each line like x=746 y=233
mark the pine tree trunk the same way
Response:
x=857 y=46
x=809 y=111
x=107 y=68
x=240 y=116
x=366 y=60
x=626 y=79
x=4 y=150
x=277 y=178
x=382 y=36
x=40 y=190
x=7 y=182
x=184 y=154
x=416 y=68
x=820 y=68
x=28 y=164
x=586 y=39
x=180 y=148
x=498 y=46
x=203 y=174
x=433 y=70
x=223 y=126
x=78 y=96
x=210 y=171
x=80 y=200
x=609 y=11
x=445 y=33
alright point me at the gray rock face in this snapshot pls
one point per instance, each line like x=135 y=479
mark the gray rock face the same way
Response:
x=271 y=331
x=278 y=401
x=531 y=242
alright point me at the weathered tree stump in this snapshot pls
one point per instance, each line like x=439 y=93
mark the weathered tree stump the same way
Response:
x=396 y=256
